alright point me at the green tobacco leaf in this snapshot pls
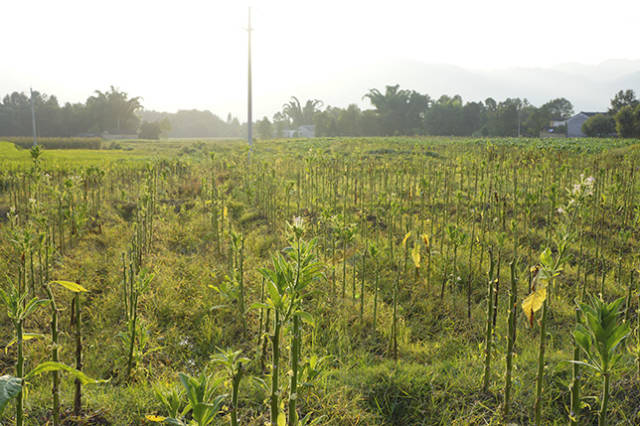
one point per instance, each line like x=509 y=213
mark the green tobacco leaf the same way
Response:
x=9 y=388
x=48 y=366
x=71 y=286
x=32 y=305
x=25 y=337
x=306 y=317
x=259 y=305
x=546 y=259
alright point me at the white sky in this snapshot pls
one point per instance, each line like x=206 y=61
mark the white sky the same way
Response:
x=192 y=54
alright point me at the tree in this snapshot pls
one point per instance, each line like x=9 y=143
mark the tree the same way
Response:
x=491 y=104
x=474 y=116
x=113 y=111
x=536 y=120
x=400 y=111
x=622 y=99
x=301 y=115
x=559 y=109
x=445 y=117
x=153 y=130
x=326 y=122
x=599 y=126
x=349 y=121
x=507 y=116
x=280 y=123
x=264 y=129
x=196 y=123
x=628 y=121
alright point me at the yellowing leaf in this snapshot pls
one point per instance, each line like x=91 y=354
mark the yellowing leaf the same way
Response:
x=71 y=286
x=155 y=419
x=25 y=337
x=406 y=237
x=47 y=366
x=533 y=303
x=425 y=239
x=282 y=420
x=225 y=212
x=415 y=255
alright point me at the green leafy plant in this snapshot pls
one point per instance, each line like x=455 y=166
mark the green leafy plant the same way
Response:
x=55 y=348
x=18 y=309
x=134 y=288
x=599 y=335
x=202 y=402
x=511 y=338
x=489 y=327
x=172 y=399
x=286 y=281
x=10 y=387
x=233 y=363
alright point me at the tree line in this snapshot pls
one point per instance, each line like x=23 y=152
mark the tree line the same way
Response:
x=395 y=111
x=399 y=111
x=112 y=111
x=196 y=123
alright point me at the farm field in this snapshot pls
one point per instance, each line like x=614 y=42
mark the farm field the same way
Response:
x=328 y=281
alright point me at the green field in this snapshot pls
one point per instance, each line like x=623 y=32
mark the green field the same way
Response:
x=392 y=318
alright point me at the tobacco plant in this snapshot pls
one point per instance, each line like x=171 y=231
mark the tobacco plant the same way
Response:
x=134 y=287
x=234 y=365
x=599 y=335
x=202 y=402
x=55 y=348
x=286 y=280
x=19 y=309
x=511 y=338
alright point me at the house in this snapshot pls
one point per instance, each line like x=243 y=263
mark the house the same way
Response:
x=307 y=131
x=574 y=124
x=555 y=129
x=553 y=132
x=304 y=131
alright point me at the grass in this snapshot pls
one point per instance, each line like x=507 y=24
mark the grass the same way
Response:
x=438 y=376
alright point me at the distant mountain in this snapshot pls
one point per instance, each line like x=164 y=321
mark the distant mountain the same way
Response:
x=588 y=87
x=607 y=70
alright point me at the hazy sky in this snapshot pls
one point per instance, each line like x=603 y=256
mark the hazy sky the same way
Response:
x=192 y=54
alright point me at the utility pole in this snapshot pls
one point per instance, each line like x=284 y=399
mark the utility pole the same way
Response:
x=249 y=101
x=33 y=119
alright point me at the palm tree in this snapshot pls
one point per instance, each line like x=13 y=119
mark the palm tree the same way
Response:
x=299 y=115
x=113 y=110
x=400 y=111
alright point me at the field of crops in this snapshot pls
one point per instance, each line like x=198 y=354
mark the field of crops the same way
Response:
x=367 y=281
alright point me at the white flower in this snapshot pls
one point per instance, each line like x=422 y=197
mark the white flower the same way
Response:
x=576 y=188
